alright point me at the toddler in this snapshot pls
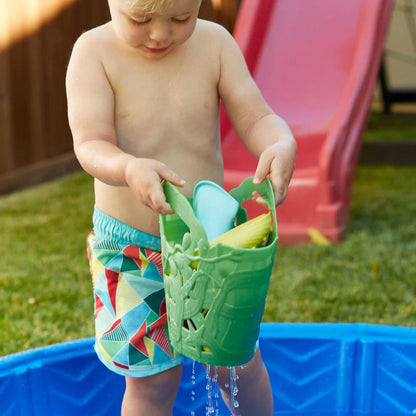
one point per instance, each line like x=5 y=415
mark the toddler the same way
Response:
x=143 y=105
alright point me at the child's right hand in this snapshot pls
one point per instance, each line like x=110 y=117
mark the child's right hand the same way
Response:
x=145 y=176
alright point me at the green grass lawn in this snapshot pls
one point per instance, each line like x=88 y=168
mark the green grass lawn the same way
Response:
x=393 y=127
x=45 y=288
x=44 y=283
x=368 y=277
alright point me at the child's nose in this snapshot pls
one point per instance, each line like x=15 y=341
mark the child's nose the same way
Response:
x=159 y=31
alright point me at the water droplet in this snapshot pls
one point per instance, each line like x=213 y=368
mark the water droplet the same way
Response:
x=193 y=378
x=215 y=376
x=216 y=391
x=233 y=387
x=193 y=381
x=209 y=409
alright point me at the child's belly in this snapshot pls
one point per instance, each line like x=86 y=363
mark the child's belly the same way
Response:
x=120 y=202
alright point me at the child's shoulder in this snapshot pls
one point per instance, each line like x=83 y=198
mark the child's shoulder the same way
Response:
x=211 y=31
x=214 y=37
x=93 y=39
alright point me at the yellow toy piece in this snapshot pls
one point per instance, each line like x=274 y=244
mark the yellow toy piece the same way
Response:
x=247 y=235
x=250 y=234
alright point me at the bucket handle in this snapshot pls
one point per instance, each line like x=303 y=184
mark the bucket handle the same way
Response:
x=243 y=192
x=181 y=206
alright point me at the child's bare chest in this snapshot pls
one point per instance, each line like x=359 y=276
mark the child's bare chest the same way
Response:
x=169 y=97
x=176 y=98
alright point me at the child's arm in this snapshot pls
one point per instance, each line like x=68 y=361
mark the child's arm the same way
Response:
x=266 y=135
x=91 y=118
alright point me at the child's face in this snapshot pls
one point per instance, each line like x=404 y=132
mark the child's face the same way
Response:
x=154 y=34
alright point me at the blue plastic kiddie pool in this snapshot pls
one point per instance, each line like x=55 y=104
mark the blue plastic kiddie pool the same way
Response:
x=315 y=370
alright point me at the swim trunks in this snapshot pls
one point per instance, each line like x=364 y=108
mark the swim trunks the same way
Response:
x=132 y=336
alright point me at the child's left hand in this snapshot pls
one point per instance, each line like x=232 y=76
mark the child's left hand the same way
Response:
x=276 y=162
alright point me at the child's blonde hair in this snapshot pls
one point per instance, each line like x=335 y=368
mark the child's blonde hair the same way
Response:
x=150 y=6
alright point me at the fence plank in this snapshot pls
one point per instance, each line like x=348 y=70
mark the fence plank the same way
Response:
x=36 y=89
x=6 y=130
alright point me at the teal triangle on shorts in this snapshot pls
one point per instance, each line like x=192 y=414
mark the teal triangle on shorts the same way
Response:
x=155 y=300
x=135 y=356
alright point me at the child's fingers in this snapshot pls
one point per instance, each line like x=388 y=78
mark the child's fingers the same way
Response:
x=158 y=198
x=160 y=205
x=277 y=179
x=266 y=168
x=280 y=177
x=280 y=193
x=169 y=175
x=157 y=201
x=277 y=163
x=259 y=199
x=263 y=168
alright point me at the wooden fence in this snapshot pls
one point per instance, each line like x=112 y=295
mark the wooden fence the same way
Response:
x=36 y=41
x=36 y=38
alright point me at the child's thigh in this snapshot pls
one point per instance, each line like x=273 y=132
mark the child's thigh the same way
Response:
x=161 y=386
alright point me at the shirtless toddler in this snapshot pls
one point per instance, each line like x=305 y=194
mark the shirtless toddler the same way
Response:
x=143 y=104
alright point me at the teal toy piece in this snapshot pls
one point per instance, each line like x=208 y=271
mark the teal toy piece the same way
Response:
x=215 y=296
x=214 y=208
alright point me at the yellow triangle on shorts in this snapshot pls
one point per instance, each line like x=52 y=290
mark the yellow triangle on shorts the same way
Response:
x=96 y=266
x=150 y=346
x=126 y=298
x=145 y=262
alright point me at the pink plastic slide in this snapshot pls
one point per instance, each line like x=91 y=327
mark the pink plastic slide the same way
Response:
x=316 y=62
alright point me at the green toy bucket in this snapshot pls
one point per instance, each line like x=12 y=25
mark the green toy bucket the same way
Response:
x=215 y=298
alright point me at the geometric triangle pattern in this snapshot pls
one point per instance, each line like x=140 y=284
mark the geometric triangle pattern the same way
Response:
x=130 y=308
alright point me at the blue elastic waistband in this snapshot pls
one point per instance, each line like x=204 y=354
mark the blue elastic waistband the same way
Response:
x=109 y=228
